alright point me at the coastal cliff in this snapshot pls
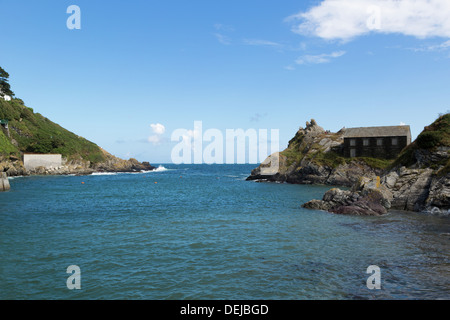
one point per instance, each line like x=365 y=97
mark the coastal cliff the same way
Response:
x=313 y=157
x=28 y=132
x=418 y=180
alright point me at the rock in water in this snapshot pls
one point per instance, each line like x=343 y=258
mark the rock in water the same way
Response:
x=367 y=198
x=4 y=182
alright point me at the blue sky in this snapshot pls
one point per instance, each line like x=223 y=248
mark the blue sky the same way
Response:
x=230 y=64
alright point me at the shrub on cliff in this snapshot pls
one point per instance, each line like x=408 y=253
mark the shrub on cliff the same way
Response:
x=433 y=136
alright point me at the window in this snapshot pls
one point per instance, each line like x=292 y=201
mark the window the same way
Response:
x=366 y=142
x=394 y=141
x=379 y=142
x=352 y=153
x=352 y=142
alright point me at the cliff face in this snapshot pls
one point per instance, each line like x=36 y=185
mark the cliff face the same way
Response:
x=313 y=157
x=420 y=177
x=31 y=132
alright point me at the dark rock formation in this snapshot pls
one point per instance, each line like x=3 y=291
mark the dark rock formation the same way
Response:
x=367 y=198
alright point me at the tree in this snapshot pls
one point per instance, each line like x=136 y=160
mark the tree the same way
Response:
x=5 y=88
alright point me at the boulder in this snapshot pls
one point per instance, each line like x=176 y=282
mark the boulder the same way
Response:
x=366 y=198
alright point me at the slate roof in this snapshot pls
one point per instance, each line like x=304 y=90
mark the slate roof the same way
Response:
x=369 y=132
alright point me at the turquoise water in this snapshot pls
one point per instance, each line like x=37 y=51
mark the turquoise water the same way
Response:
x=203 y=232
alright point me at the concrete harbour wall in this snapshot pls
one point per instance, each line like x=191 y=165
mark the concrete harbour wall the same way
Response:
x=32 y=161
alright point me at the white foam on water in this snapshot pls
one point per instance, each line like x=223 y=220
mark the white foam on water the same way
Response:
x=105 y=173
x=160 y=169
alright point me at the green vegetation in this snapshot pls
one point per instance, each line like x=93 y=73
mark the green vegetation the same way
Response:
x=445 y=170
x=377 y=163
x=37 y=134
x=5 y=88
x=435 y=135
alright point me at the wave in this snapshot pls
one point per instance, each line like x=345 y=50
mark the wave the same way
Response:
x=160 y=169
x=15 y=177
x=105 y=173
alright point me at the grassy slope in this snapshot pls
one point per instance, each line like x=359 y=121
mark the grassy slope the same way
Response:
x=35 y=133
x=432 y=137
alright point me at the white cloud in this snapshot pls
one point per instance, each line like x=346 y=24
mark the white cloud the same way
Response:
x=347 y=19
x=257 y=42
x=320 y=58
x=158 y=128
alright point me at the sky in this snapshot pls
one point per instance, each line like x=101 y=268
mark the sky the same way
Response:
x=137 y=71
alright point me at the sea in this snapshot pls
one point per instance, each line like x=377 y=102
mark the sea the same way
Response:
x=202 y=232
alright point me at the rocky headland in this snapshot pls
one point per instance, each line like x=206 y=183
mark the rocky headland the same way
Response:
x=313 y=157
x=418 y=180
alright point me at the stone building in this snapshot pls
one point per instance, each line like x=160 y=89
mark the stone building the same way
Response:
x=376 y=142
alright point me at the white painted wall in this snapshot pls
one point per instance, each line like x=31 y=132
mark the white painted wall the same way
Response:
x=6 y=97
x=32 y=161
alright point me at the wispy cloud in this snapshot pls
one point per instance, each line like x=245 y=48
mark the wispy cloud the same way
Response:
x=258 y=117
x=258 y=42
x=433 y=48
x=348 y=19
x=223 y=27
x=223 y=39
x=320 y=58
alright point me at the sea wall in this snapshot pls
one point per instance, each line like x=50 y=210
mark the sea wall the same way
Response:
x=33 y=161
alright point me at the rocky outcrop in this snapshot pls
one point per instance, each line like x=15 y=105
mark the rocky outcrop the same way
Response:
x=410 y=188
x=12 y=166
x=4 y=183
x=115 y=164
x=418 y=189
x=312 y=157
x=439 y=194
x=368 y=198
